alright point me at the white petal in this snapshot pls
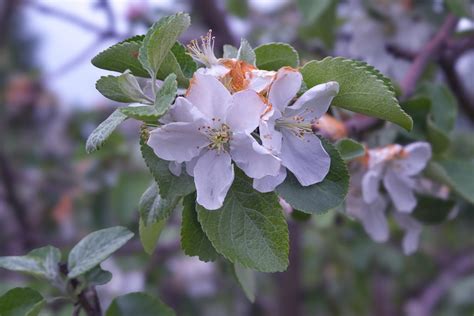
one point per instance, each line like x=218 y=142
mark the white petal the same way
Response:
x=215 y=71
x=175 y=168
x=400 y=189
x=372 y=216
x=177 y=141
x=314 y=102
x=213 y=176
x=270 y=137
x=259 y=80
x=183 y=111
x=190 y=165
x=371 y=185
x=412 y=229
x=269 y=183
x=254 y=159
x=305 y=156
x=418 y=155
x=284 y=88
x=244 y=112
x=209 y=95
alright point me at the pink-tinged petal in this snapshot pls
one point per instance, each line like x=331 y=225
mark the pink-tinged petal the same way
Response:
x=314 y=102
x=305 y=157
x=183 y=111
x=269 y=183
x=190 y=165
x=371 y=184
x=400 y=189
x=284 y=87
x=175 y=168
x=412 y=230
x=178 y=141
x=218 y=71
x=417 y=156
x=254 y=159
x=372 y=216
x=209 y=95
x=213 y=176
x=270 y=137
x=244 y=112
x=259 y=80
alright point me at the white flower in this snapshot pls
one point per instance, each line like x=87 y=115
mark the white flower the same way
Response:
x=287 y=132
x=207 y=129
x=396 y=166
x=204 y=53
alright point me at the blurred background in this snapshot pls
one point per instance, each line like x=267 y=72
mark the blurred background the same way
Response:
x=51 y=192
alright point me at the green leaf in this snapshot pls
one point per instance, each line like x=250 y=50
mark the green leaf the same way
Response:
x=312 y=10
x=171 y=186
x=103 y=131
x=321 y=21
x=438 y=138
x=350 y=149
x=120 y=57
x=42 y=262
x=443 y=105
x=230 y=51
x=21 y=302
x=431 y=210
x=166 y=94
x=361 y=89
x=239 y=8
x=320 y=197
x=193 y=239
x=186 y=62
x=109 y=87
x=139 y=304
x=169 y=66
x=95 y=248
x=461 y=8
x=249 y=229
x=153 y=208
x=273 y=56
x=97 y=276
x=247 y=281
x=130 y=87
x=159 y=40
x=456 y=174
x=145 y=113
x=246 y=52
x=149 y=234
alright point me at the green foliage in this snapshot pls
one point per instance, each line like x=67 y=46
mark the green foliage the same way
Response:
x=42 y=262
x=153 y=208
x=246 y=52
x=102 y=132
x=21 y=302
x=138 y=304
x=230 y=51
x=362 y=89
x=319 y=20
x=247 y=281
x=109 y=87
x=350 y=149
x=149 y=234
x=273 y=56
x=186 y=63
x=239 y=8
x=95 y=248
x=249 y=229
x=461 y=8
x=193 y=239
x=97 y=276
x=431 y=210
x=159 y=40
x=323 y=196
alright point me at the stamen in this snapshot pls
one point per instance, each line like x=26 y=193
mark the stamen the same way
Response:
x=204 y=52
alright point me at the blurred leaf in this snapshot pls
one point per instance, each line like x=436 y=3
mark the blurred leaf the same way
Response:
x=443 y=104
x=249 y=229
x=21 y=302
x=461 y=8
x=418 y=108
x=321 y=21
x=139 y=304
x=350 y=149
x=42 y=262
x=97 y=276
x=273 y=56
x=95 y=248
x=438 y=138
x=246 y=52
x=109 y=87
x=312 y=10
x=153 y=208
x=461 y=145
x=103 y=131
x=300 y=216
x=149 y=234
x=456 y=174
x=171 y=186
x=361 y=88
x=159 y=40
x=320 y=197
x=431 y=210
x=230 y=51
x=238 y=8
x=247 y=281
x=193 y=240
x=186 y=62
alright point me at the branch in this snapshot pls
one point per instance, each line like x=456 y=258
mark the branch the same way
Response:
x=434 y=292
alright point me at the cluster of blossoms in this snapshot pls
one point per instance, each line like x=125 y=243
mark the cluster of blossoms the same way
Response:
x=397 y=167
x=214 y=126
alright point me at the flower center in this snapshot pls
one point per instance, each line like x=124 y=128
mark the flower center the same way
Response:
x=296 y=124
x=218 y=136
x=204 y=52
